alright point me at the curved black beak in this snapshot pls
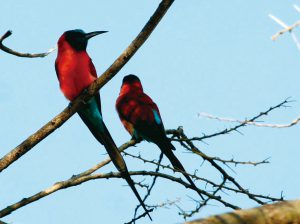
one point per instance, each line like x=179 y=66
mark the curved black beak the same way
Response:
x=92 y=34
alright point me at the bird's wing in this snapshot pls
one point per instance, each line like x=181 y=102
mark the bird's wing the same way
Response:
x=140 y=112
x=94 y=73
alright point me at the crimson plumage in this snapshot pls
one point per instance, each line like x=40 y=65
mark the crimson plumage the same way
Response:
x=141 y=118
x=75 y=72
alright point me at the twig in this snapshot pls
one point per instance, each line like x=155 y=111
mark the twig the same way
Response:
x=234 y=162
x=57 y=121
x=148 y=190
x=165 y=204
x=286 y=29
x=235 y=128
x=224 y=187
x=161 y=205
x=191 y=147
x=24 y=55
x=223 y=119
x=187 y=214
x=139 y=217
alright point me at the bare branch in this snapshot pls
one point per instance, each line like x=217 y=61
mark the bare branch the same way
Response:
x=24 y=55
x=64 y=184
x=229 y=130
x=187 y=214
x=292 y=123
x=87 y=175
x=191 y=147
x=234 y=162
x=286 y=29
x=79 y=180
x=221 y=186
x=58 y=120
x=149 y=189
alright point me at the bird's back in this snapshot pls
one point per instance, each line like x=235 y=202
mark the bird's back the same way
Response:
x=140 y=116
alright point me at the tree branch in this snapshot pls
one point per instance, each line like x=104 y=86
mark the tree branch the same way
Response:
x=87 y=176
x=279 y=213
x=24 y=55
x=223 y=119
x=79 y=180
x=58 y=120
x=229 y=130
x=188 y=144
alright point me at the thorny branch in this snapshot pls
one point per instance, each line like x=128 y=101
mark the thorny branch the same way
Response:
x=207 y=182
x=292 y=123
x=61 y=118
x=149 y=189
x=88 y=175
x=165 y=204
x=226 y=177
x=79 y=180
x=235 y=128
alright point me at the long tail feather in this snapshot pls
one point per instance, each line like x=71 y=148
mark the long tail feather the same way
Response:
x=92 y=118
x=167 y=147
x=119 y=162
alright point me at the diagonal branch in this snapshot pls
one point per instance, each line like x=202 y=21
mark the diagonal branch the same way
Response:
x=66 y=183
x=57 y=121
x=79 y=180
x=278 y=213
x=19 y=54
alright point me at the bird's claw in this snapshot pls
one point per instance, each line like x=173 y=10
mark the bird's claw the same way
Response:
x=84 y=91
x=70 y=105
x=137 y=140
x=84 y=102
x=74 y=176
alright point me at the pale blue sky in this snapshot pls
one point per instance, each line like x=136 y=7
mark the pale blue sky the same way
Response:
x=205 y=56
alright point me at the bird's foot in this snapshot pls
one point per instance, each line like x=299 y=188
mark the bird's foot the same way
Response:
x=84 y=91
x=137 y=140
x=74 y=176
x=70 y=105
x=84 y=102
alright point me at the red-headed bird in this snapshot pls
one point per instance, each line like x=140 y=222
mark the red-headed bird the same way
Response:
x=141 y=118
x=75 y=72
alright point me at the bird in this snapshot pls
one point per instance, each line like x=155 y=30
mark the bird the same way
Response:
x=141 y=118
x=75 y=72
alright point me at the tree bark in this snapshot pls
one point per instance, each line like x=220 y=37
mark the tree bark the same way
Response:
x=287 y=212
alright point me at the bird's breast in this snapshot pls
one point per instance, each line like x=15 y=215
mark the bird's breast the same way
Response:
x=74 y=74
